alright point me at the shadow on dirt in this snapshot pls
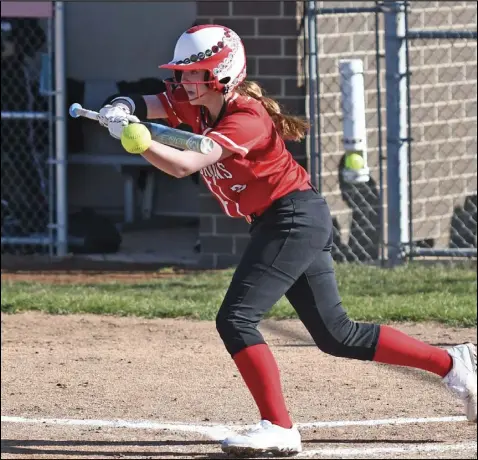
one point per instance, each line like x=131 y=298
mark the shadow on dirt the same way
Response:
x=30 y=447
x=65 y=448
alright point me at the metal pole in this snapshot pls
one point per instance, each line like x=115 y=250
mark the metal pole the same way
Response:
x=51 y=186
x=409 y=136
x=312 y=89
x=397 y=142
x=317 y=92
x=380 y=132
x=60 y=132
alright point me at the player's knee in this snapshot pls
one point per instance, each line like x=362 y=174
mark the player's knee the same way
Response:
x=334 y=347
x=237 y=332
x=228 y=325
x=350 y=339
x=224 y=324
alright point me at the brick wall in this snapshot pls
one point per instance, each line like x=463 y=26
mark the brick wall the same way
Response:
x=346 y=36
x=444 y=119
x=443 y=102
x=271 y=32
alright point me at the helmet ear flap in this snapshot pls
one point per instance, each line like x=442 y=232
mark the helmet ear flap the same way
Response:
x=213 y=85
x=224 y=81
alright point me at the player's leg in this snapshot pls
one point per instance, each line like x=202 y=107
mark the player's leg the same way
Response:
x=277 y=254
x=316 y=299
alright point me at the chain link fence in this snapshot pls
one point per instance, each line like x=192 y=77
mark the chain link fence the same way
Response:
x=441 y=105
x=442 y=56
x=351 y=30
x=27 y=144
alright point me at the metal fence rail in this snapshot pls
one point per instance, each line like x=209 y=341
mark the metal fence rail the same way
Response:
x=30 y=191
x=352 y=31
x=419 y=63
x=441 y=100
x=26 y=136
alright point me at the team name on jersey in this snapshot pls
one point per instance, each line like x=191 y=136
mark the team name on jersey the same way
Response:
x=217 y=171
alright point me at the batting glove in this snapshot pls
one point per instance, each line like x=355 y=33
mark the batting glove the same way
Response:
x=115 y=119
x=109 y=112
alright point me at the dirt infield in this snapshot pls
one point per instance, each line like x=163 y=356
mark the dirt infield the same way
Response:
x=77 y=387
x=102 y=369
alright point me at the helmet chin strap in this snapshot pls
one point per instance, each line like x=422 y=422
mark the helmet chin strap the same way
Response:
x=189 y=100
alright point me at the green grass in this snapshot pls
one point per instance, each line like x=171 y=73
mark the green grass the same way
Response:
x=445 y=294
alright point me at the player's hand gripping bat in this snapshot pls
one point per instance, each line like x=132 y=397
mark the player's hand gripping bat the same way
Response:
x=164 y=134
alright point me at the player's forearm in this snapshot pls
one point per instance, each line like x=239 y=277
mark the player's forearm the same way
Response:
x=144 y=107
x=159 y=156
x=154 y=107
x=180 y=163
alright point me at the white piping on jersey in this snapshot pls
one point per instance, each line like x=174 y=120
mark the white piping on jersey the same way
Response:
x=224 y=203
x=234 y=145
x=224 y=195
x=170 y=105
x=226 y=200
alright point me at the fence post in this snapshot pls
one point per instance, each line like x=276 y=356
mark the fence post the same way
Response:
x=60 y=132
x=397 y=122
x=314 y=136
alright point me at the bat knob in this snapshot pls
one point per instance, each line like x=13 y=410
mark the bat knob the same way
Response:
x=74 y=110
x=207 y=146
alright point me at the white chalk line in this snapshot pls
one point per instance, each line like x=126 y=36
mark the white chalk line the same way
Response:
x=380 y=451
x=217 y=431
x=388 y=421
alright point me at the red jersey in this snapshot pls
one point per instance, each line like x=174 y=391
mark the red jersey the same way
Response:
x=260 y=171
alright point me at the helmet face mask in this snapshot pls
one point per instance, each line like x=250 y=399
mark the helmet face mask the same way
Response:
x=215 y=49
x=192 y=89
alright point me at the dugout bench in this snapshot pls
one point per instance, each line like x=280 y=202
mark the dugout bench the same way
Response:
x=102 y=150
x=124 y=164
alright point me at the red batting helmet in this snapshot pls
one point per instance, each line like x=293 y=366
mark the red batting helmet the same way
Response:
x=214 y=48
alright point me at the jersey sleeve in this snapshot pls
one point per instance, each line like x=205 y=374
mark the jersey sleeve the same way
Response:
x=177 y=108
x=173 y=117
x=240 y=132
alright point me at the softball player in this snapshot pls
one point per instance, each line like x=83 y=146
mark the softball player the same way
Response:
x=253 y=176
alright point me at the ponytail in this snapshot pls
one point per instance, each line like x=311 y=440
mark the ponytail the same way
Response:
x=288 y=126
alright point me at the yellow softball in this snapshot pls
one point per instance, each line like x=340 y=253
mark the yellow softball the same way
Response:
x=354 y=161
x=136 y=138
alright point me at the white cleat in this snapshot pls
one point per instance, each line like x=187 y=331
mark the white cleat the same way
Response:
x=264 y=438
x=461 y=380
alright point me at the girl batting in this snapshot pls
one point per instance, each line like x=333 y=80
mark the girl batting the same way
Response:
x=253 y=176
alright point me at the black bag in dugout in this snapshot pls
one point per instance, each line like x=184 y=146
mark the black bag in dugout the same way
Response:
x=91 y=233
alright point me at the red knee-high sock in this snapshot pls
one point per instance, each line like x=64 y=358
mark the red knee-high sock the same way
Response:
x=261 y=375
x=395 y=347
